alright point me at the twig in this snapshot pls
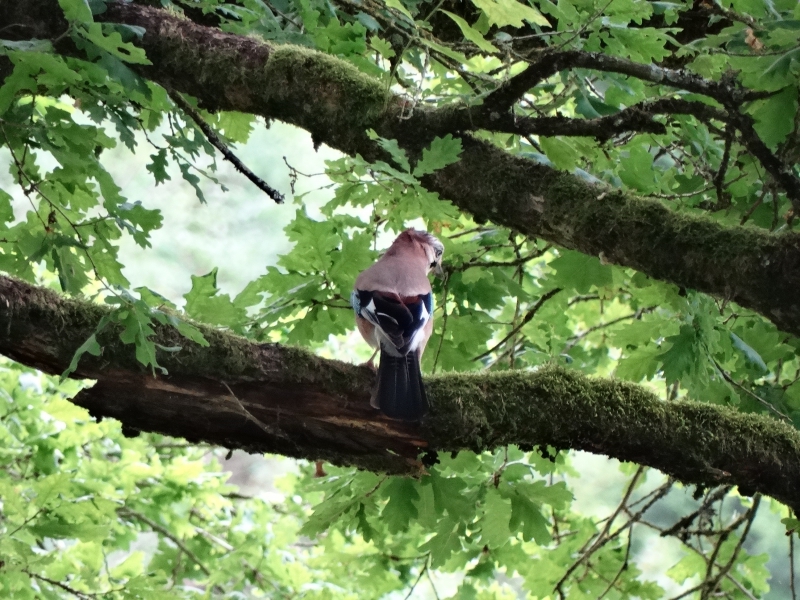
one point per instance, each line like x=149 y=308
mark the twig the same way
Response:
x=433 y=587
x=512 y=357
x=726 y=376
x=716 y=8
x=576 y=338
x=583 y=298
x=215 y=141
x=500 y=263
x=755 y=205
x=748 y=518
x=25 y=522
x=525 y=320
x=64 y=586
x=684 y=522
x=250 y=417
x=685 y=593
x=213 y=538
x=723 y=199
x=419 y=577
x=740 y=587
x=125 y=511
x=468 y=232
x=602 y=538
x=622 y=568
x=682 y=195
x=586 y=25
x=444 y=324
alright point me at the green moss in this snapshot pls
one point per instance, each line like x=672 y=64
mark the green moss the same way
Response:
x=325 y=95
x=347 y=85
x=694 y=442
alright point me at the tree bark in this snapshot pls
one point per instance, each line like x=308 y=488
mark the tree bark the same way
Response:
x=336 y=103
x=271 y=398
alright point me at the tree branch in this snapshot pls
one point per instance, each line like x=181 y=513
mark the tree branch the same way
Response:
x=463 y=119
x=215 y=141
x=727 y=92
x=319 y=409
x=550 y=61
x=525 y=320
x=639 y=118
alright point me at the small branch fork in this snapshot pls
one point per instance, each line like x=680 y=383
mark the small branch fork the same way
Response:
x=215 y=141
x=704 y=531
x=525 y=320
x=496 y=112
x=637 y=118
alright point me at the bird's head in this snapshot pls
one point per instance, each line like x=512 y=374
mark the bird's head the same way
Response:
x=431 y=246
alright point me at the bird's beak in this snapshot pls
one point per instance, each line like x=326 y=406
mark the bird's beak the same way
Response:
x=438 y=271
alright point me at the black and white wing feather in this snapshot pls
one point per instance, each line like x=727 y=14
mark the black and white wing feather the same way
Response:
x=399 y=319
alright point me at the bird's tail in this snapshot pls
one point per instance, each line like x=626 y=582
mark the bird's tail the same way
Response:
x=400 y=393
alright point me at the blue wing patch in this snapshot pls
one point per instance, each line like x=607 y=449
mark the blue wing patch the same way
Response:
x=355 y=301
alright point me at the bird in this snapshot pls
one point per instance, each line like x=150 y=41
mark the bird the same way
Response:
x=393 y=302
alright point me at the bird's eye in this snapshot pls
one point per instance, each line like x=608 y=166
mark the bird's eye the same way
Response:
x=438 y=252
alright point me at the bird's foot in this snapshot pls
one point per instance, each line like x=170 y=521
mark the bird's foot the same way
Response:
x=371 y=362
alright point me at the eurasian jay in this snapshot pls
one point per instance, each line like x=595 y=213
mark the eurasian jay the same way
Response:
x=394 y=313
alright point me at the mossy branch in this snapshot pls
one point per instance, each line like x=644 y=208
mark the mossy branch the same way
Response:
x=270 y=398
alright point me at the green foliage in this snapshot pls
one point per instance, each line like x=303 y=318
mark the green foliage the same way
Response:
x=509 y=12
x=134 y=318
x=87 y=511
x=77 y=497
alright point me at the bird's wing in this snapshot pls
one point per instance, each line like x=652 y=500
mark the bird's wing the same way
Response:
x=400 y=320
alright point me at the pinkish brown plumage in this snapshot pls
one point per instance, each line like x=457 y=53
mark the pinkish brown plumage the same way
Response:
x=394 y=313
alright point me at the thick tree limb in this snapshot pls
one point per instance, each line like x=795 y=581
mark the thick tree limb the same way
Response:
x=336 y=104
x=270 y=398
